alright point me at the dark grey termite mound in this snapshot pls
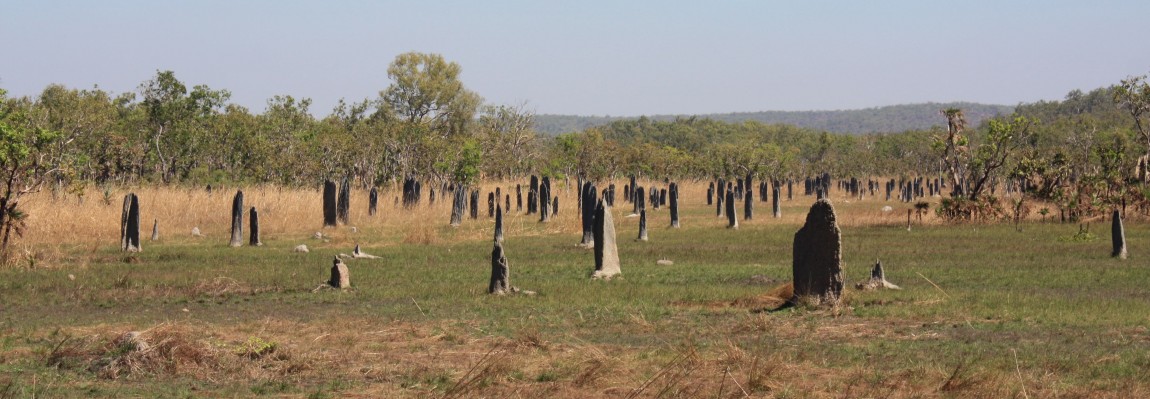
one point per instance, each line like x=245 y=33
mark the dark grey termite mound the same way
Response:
x=1117 y=236
x=817 y=262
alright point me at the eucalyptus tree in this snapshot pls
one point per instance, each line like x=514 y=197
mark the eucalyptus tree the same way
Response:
x=290 y=134
x=735 y=160
x=365 y=134
x=903 y=153
x=173 y=114
x=587 y=154
x=1133 y=95
x=87 y=119
x=434 y=109
x=427 y=89
x=30 y=154
x=670 y=162
x=509 y=140
x=1004 y=138
x=238 y=148
x=954 y=149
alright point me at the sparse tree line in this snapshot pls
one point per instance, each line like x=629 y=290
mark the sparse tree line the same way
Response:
x=1081 y=153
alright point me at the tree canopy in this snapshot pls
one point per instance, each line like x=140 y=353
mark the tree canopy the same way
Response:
x=427 y=124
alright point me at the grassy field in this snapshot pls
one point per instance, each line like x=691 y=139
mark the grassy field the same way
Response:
x=986 y=310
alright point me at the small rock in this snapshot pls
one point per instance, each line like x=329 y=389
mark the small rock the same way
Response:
x=664 y=262
x=301 y=249
x=196 y=232
x=354 y=229
x=887 y=209
x=318 y=235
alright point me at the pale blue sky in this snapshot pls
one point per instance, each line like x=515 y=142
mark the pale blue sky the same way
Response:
x=590 y=57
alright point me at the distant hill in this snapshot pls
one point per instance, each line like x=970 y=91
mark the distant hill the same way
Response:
x=892 y=118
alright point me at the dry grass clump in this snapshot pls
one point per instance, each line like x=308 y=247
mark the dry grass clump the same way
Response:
x=173 y=349
x=164 y=349
x=773 y=299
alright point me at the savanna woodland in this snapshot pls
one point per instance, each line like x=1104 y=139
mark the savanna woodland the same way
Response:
x=1013 y=249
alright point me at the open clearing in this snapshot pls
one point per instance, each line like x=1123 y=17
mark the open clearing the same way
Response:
x=987 y=310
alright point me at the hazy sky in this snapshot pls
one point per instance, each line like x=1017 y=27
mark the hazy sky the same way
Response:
x=590 y=57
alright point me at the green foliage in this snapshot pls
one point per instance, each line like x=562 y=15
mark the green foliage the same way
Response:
x=510 y=144
x=590 y=155
x=28 y=156
x=1133 y=95
x=256 y=347
x=179 y=121
x=18 y=144
x=965 y=209
x=427 y=89
x=1083 y=235
x=467 y=165
x=426 y=123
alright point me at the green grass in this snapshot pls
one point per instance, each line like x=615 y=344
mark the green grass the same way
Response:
x=1013 y=314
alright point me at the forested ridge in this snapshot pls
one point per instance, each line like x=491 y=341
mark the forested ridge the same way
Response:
x=891 y=118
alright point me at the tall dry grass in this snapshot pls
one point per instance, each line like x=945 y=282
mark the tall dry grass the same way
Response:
x=283 y=212
x=177 y=211
x=287 y=213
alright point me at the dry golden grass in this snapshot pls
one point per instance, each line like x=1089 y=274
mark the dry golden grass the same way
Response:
x=284 y=213
x=177 y=210
x=298 y=213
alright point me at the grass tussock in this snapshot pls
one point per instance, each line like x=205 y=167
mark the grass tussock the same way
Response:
x=174 y=350
x=165 y=349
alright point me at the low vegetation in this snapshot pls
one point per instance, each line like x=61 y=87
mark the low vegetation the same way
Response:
x=1037 y=309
